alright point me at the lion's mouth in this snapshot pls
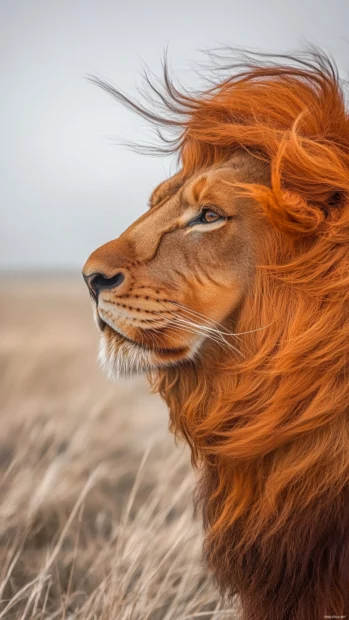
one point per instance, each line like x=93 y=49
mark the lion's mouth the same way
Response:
x=162 y=351
x=101 y=324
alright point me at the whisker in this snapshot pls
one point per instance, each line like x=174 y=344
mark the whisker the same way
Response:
x=196 y=329
x=212 y=334
x=205 y=327
x=226 y=331
x=211 y=324
x=201 y=316
x=185 y=329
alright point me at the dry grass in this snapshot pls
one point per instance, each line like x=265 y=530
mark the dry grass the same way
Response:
x=96 y=517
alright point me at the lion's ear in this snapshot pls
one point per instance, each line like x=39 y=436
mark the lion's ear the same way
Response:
x=166 y=189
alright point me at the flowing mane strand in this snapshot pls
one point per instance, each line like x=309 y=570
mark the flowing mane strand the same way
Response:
x=291 y=110
x=270 y=433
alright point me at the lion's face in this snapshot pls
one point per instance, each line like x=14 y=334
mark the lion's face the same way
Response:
x=161 y=289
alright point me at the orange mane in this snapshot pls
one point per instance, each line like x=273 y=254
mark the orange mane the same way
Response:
x=270 y=433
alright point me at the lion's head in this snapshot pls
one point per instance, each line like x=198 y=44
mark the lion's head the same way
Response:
x=233 y=291
x=172 y=279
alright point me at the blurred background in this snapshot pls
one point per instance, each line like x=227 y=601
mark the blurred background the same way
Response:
x=96 y=499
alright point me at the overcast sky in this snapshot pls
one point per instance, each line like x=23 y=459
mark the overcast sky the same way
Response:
x=65 y=188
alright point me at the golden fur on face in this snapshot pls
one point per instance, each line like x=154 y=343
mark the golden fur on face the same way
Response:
x=260 y=390
x=182 y=277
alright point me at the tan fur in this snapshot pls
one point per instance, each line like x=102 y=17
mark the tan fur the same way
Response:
x=206 y=271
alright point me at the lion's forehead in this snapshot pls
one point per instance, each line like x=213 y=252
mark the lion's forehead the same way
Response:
x=213 y=184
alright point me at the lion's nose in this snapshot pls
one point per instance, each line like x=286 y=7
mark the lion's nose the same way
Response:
x=97 y=282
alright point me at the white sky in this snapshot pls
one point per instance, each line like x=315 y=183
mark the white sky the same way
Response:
x=65 y=188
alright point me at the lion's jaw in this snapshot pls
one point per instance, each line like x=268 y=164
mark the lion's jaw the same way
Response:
x=167 y=286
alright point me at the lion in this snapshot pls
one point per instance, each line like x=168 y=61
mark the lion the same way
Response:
x=231 y=292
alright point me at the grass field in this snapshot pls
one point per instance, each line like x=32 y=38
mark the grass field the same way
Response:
x=96 y=517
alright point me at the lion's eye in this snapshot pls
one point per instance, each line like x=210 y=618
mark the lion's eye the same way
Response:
x=208 y=216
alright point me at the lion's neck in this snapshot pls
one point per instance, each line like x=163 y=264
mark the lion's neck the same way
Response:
x=268 y=539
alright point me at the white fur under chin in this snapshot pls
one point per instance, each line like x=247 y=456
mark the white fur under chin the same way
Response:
x=123 y=359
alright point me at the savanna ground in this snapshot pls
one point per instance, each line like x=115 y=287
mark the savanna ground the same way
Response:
x=96 y=516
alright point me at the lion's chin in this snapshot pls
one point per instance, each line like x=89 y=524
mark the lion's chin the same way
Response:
x=120 y=357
